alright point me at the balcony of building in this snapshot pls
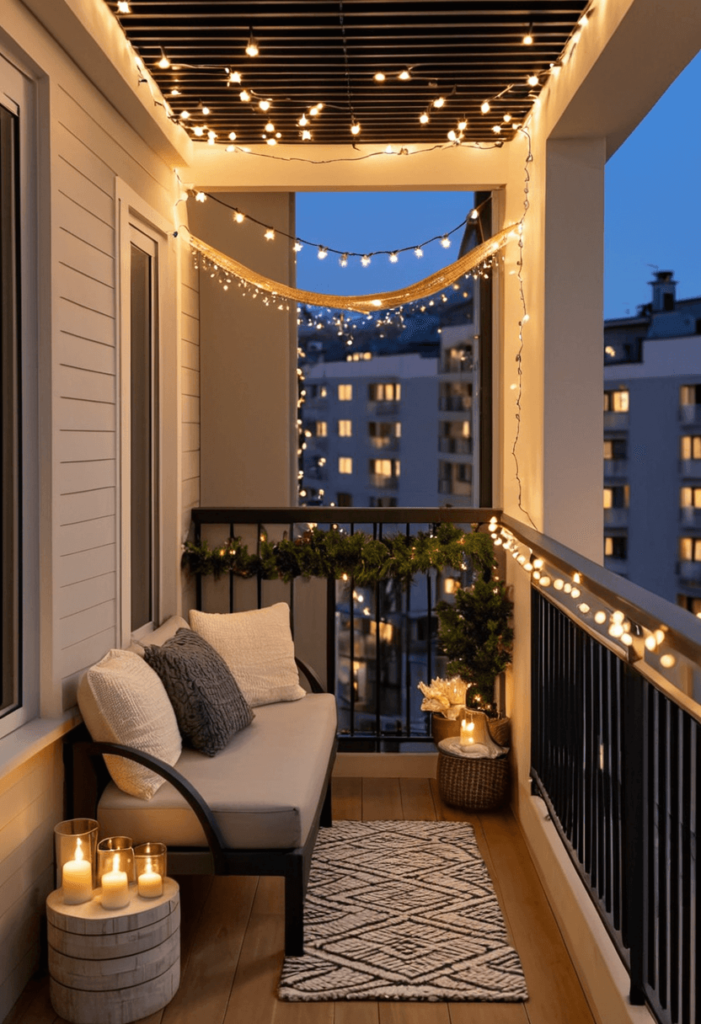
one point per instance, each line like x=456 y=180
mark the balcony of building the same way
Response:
x=690 y=469
x=615 y=469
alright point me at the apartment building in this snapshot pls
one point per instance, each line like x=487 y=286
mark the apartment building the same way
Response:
x=652 y=445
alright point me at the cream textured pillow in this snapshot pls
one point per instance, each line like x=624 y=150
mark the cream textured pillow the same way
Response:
x=257 y=646
x=122 y=700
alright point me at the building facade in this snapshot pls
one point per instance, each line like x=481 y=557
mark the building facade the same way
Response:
x=652 y=445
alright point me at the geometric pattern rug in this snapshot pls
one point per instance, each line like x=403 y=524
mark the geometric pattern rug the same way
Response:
x=402 y=910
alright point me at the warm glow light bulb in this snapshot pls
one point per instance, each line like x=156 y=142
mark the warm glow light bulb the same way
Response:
x=424 y=118
x=527 y=39
x=452 y=136
x=239 y=217
x=439 y=102
x=314 y=111
x=163 y=63
x=445 y=242
x=545 y=581
x=418 y=251
x=667 y=661
x=537 y=563
x=627 y=639
x=306 y=135
x=532 y=80
x=617 y=617
x=297 y=247
x=252 y=49
x=265 y=105
x=184 y=114
x=322 y=253
x=235 y=78
x=404 y=76
x=343 y=260
x=123 y=7
x=200 y=197
x=496 y=129
x=365 y=261
x=485 y=108
x=198 y=129
x=650 y=643
x=232 y=135
x=269 y=235
x=355 y=128
x=583 y=607
x=270 y=127
x=600 y=617
x=245 y=96
x=379 y=76
x=393 y=258
x=559 y=584
x=462 y=125
x=507 y=118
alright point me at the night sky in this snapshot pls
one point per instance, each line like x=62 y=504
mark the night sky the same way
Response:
x=652 y=218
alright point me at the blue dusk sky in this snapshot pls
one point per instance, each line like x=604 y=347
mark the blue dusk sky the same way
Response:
x=652 y=216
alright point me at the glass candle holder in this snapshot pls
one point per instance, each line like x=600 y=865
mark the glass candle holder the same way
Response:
x=150 y=860
x=115 y=846
x=75 y=844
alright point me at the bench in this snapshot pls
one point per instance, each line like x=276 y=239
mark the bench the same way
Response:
x=253 y=809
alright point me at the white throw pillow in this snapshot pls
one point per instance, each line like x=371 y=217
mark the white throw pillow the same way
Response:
x=258 y=648
x=122 y=700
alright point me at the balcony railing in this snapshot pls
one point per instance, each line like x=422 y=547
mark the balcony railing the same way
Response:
x=455 y=445
x=689 y=516
x=454 y=364
x=690 y=572
x=615 y=421
x=615 y=718
x=615 y=517
x=387 y=444
x=455 y=403
x=690 y=413
x=385 y=483
x=691 y=468
x=615 y=468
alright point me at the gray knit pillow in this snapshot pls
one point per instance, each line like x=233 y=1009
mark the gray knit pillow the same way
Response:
x=207 y=701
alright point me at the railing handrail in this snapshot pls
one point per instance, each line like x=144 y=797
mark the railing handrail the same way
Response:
x=642 y=606
x=342 y=514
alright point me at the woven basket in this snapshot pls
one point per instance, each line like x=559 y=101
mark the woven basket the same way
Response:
x=473 y=783
x=443 y=728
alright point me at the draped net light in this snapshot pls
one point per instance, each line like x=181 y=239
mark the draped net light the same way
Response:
x=360 y=303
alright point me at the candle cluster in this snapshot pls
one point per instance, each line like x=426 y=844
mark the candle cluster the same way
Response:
x=119 y=866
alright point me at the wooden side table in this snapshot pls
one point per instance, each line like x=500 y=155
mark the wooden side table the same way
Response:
x=113 y=966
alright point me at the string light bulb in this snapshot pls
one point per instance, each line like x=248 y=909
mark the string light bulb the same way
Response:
x=533 y=80
x=418 y=252
x=200 y=197
x=163 y=63
x=323 y=252
x=184 y=114
x=303 y=121
x=232 y=136
x=379 y=76
x=496 y=129
x=239 y=217
x=265 y=105
x=270 y=127
x=485 y=108
x=314 y=111
x=462 y=125
x=123 y=7
x=343 y=260
x=393 y=258
x=404 y=76
x=424 y=118
x=198 y=129
x=528 y=38
x=270 y=235
x=439 y=102
x=245 y=96
x=252 y=48
x=445 y=242
x=306 y=136
x=365 y=261
x=355 y=128
x=234 y=78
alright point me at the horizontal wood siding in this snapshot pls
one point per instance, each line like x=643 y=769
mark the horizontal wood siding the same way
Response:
x=31 y=802
x=190 y=392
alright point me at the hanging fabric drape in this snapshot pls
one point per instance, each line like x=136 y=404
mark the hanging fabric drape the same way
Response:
x=359 y=303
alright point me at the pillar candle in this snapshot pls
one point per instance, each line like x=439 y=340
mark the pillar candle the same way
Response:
x=76 y=878
x=150 y=883
x=115 y=887
x=466 y=731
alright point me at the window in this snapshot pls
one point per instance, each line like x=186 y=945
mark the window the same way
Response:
x=375 y=502
x=692 y=604
x=345 y=464
x=455 y=396
x=10 y=439
x=616 y=547
x=321 y=428
x=691 y=446
x=463 y=472
x=690 y=497
x=690 y=394
x=616 y=449
x=382 y=435
x=690 y=549
x=616 y=401
x=384 y=467
x=144 y=419
x=616 y=497
x=345 y=428
x=317 y=390
x=391 y=392
x=344 y=500
x=345 y=392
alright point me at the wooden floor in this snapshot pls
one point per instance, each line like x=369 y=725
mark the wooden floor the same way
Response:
x=233 y=936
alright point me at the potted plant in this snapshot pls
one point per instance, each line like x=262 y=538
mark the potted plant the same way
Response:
x=476 y=634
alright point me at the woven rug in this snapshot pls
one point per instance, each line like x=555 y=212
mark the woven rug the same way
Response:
x=402 y=910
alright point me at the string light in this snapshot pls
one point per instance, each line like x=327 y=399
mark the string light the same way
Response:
x=486 y=107
x=424 y=118
x=445 y=242
x=379 y=76
x=528 y=38
x=404 y=76
x=303 y=121
x=234 y=77
x=252 y=48
x=245 y=96
x=184 y=114
x=269 y=235
x=393 y=257
x=265 y=105
x=533 y=80
x=418 y=252
x=355 y=128
x=123 y=7
x=306 y=136
x=322 y=252
x=365 y=261
x=343 y=261
x=163 y=63
x=297 y=247
x=239 y=217
x=439 y=102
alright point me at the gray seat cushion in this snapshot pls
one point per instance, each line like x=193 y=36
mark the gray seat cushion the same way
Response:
x=263 y=788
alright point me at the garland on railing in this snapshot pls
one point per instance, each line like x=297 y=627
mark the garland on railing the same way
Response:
x=335 y=554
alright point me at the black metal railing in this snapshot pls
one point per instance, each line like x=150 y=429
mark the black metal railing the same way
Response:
x=615 y=755
x=378 y=641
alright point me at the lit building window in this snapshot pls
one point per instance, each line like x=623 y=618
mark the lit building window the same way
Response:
x=450 y=585
x=616 y=547
x=345 y=428
x=616 y=497
x=691 y=446
x=692 y=604
x=384 y=467
x=384 y=434
x=616 y=401
x=690 y=394
x=345 y=392
x=385 y=392
x=690 y=549
x=690 y=497
x=321 y=428
x=345 y=464
x=615 y=449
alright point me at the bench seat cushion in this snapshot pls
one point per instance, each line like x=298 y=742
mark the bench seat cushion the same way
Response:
x=263 y=788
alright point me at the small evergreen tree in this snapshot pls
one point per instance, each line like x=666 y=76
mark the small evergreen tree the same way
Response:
x=475 y=634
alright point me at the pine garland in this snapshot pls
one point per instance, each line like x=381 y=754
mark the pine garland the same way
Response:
x=333 y=554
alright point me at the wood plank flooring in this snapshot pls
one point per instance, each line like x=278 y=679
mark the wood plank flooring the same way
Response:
x=232 y=934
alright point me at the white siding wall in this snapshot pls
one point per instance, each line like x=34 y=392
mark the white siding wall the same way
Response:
x=86 y=148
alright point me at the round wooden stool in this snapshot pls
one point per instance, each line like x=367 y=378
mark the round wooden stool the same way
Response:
x=113 y=966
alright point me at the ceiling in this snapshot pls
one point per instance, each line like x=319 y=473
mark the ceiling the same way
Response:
x=328 y=53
